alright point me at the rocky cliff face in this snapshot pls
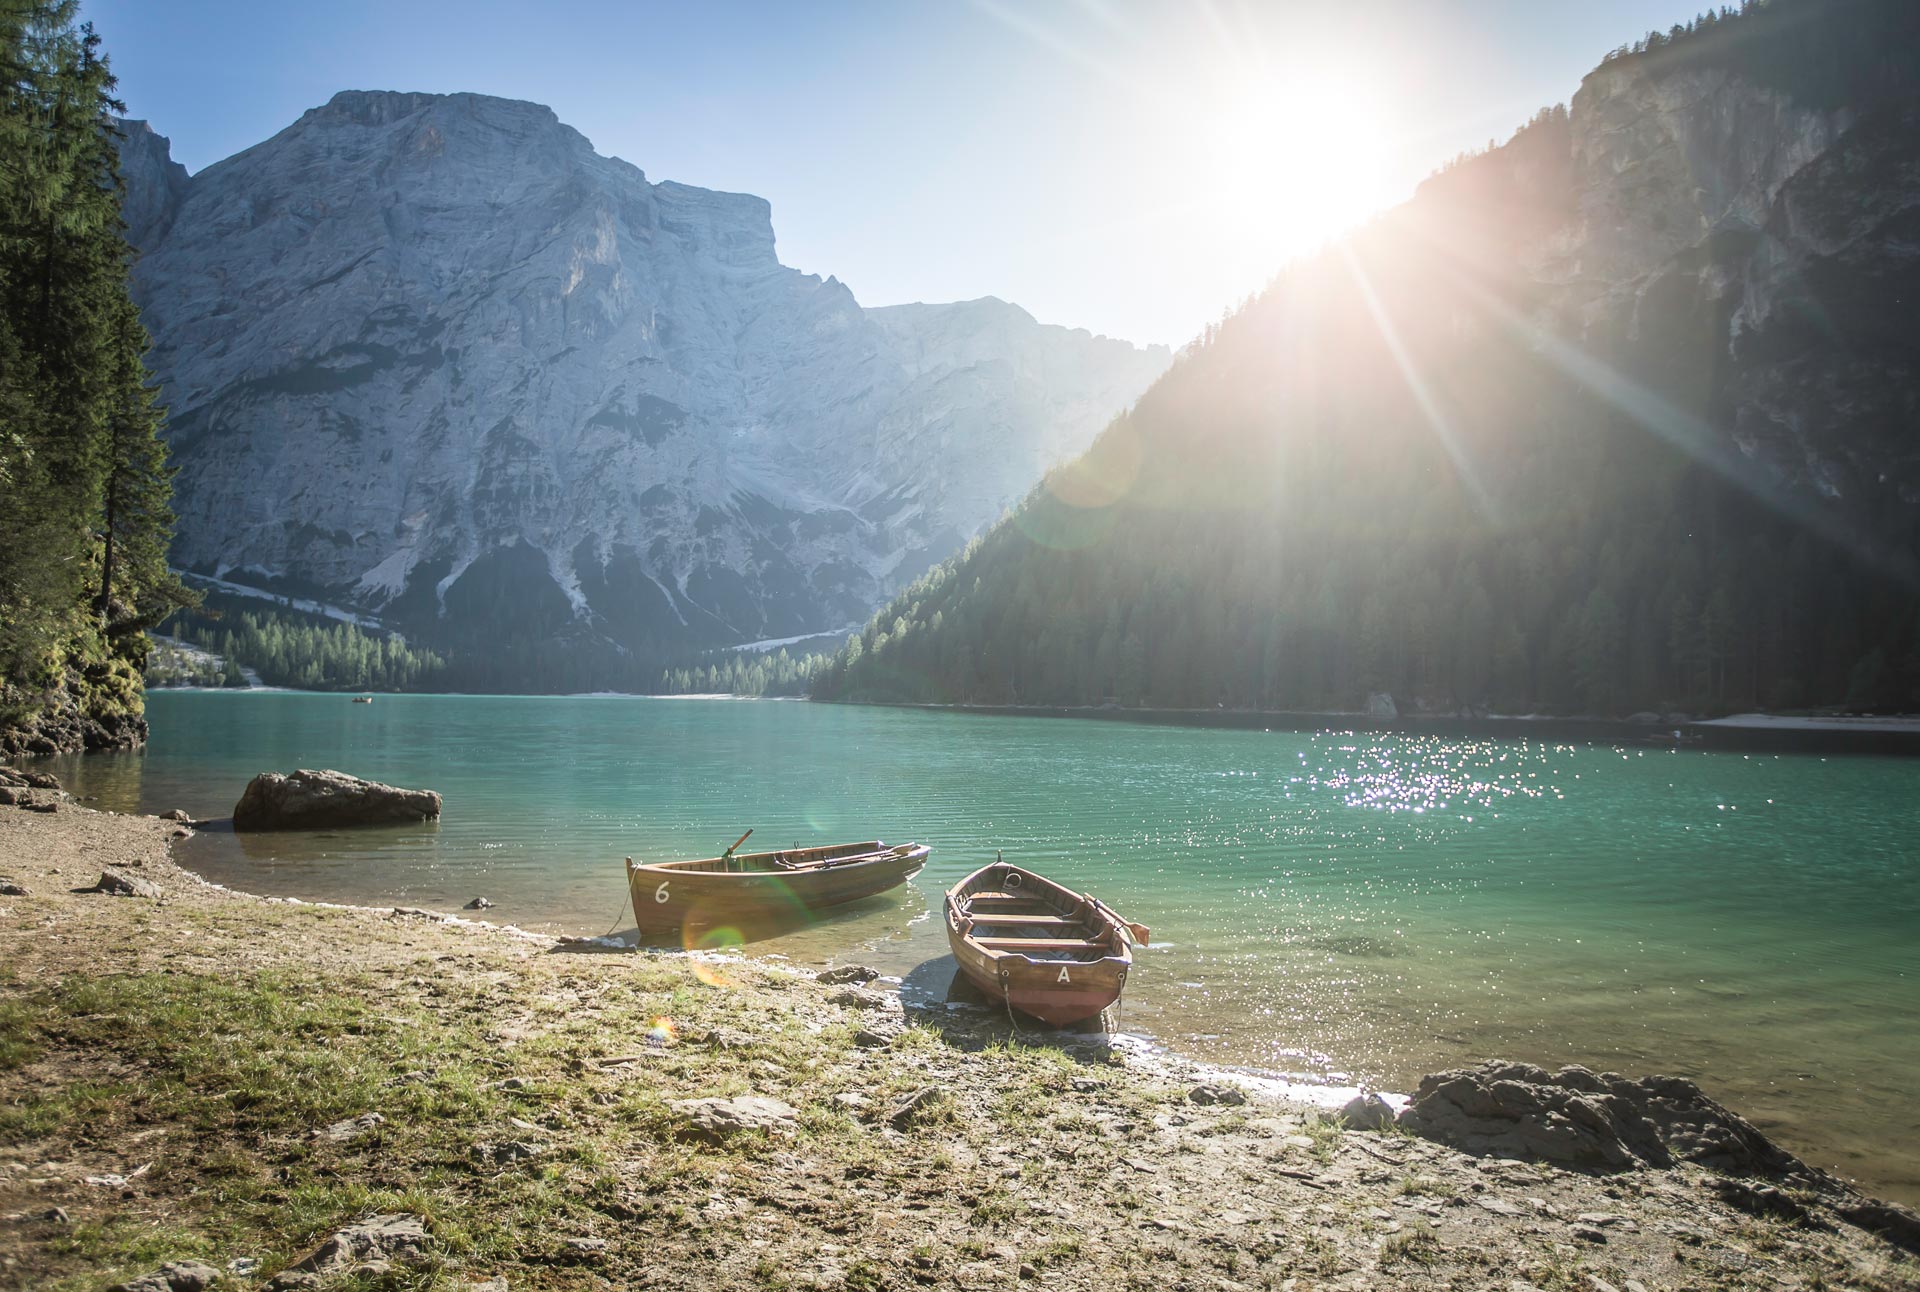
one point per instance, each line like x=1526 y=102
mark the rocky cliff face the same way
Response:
x=1738 y=245
x=156 y=183
x=1778 y=236
x=433 y=357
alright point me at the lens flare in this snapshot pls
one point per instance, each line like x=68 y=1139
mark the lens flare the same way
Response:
x=1105 y=473
x=721 y=937
x=1062 y=526
x=710 y=974
x=1074 y=507
x=662 y=1033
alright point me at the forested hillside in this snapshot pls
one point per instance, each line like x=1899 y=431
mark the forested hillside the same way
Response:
x=300 y=651
x=745 y=673
x=1618 y=416
x=84 y=485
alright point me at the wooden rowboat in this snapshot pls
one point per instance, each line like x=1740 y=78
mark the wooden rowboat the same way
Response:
x=756 y=892
x=1046 y=950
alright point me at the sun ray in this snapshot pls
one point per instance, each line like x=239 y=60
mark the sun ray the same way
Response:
x=1430 y=409
x=1687 y=432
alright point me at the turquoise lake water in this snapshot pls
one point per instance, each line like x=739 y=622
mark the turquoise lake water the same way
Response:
x=1342 y=907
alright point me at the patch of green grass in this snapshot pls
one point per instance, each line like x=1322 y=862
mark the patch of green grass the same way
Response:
x=920 y=1039
x=1040 y=1060
x=128 y=1242
x=1410 y=1246
x=1555 y=1272
x=1060 y=1251
x=45 y=1113
x=994 y=1206
x=863 y=1275
x=1318 y=1253
x=19 y=1044
x=1762 y=1234
x=239 y=1072
x=1412 y=1184
x=1325 y=1132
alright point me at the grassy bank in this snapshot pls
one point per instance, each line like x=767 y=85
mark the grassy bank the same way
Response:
x=202 y=1075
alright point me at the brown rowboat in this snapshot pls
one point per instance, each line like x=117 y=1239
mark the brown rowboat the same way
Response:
x=1046 y=950
x=763 y=890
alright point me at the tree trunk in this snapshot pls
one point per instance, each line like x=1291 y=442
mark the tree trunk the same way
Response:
x=106 y=560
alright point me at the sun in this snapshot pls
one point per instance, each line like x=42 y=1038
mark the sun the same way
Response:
x=1298 y=159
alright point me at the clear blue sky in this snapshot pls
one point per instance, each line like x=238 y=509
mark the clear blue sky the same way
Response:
x=1129 y=168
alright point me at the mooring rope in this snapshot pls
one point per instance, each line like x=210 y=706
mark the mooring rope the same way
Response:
x=626 y=907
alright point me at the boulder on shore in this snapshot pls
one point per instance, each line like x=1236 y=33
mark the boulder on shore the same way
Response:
x=1605 y=1122
x=1588 y=1120
x=116 y=883
x=1368 y=1112
x=317 y=800
x=370 y=1245
x=714 y=1120
x=173 y=1276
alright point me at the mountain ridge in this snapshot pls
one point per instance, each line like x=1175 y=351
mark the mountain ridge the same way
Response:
x=433 y=357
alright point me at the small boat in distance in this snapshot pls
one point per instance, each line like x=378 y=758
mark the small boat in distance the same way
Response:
x=363 y=699
x=1046 y=950
x=751 y=891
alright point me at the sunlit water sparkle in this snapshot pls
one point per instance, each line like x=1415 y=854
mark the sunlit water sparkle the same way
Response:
x=1339 y=906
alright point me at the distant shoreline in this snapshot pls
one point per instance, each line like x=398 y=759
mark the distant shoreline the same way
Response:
x=1893 y=735
x=1740 y=733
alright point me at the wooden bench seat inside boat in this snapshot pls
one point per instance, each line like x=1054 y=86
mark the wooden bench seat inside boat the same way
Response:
x=1009 y=917
x=1042 y=944
x=1018 y=907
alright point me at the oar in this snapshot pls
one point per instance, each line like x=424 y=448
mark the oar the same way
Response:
x=1139 y=932
x=726 y=858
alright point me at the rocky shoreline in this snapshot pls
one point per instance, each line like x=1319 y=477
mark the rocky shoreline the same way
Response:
x=200 y=1088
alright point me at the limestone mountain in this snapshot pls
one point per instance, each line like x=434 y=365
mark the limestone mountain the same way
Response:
x=1617 y=416
x=433 y=358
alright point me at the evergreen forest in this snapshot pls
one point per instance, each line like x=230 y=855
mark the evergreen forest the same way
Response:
x=298 y=651
x=84 y=482
x=776 y=672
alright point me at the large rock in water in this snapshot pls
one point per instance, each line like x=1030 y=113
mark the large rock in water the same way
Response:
x=313 y=800
x=1584 y=1119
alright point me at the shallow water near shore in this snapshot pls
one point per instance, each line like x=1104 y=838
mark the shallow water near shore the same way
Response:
x=1337 y=907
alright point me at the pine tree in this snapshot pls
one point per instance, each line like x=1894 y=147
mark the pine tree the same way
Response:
x=84 y=521
x=136 y=519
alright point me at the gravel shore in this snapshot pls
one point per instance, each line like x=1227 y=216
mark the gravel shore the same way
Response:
x=200 y=1084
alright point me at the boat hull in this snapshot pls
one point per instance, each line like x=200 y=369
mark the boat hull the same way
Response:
x=1058 y=981
x=712 y=907
x=1037 y=990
